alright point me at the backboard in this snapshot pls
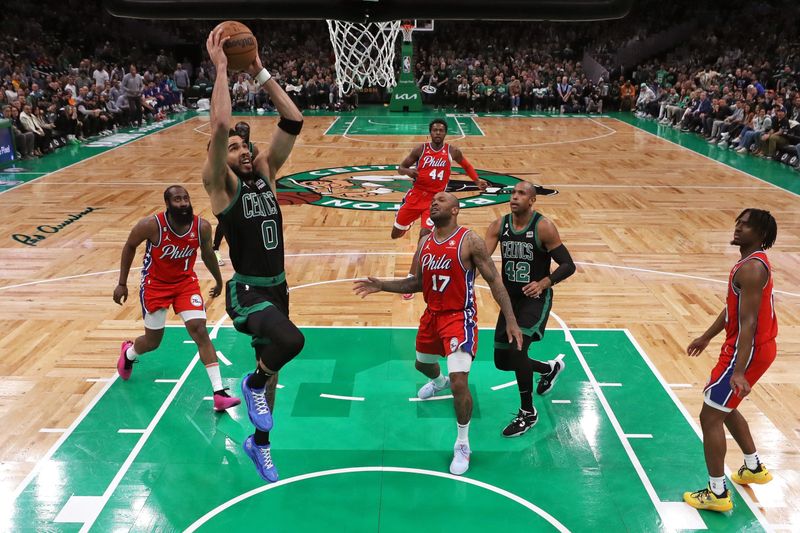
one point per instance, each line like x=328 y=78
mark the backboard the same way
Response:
x=372 y=10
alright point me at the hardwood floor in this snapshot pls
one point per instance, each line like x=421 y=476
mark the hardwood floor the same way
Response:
x=649 y=223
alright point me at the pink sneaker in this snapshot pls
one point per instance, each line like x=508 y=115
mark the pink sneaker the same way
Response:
x=124 y=365
x=408 y=296
x=223 y=402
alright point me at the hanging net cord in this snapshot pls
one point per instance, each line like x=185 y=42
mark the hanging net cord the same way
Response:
x=364 y=53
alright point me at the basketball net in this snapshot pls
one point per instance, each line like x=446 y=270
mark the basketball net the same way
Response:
x=364 y=53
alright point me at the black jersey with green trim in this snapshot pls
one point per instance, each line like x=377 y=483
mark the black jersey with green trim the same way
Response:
x=524 y=257
x=253 y=227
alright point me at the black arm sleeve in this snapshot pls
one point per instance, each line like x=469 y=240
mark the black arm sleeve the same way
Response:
x=292 y=127
x=566 y=267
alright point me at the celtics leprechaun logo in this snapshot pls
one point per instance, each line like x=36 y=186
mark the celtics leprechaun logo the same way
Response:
x=381 y=188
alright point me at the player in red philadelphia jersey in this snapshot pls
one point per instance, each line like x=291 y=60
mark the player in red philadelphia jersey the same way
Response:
x=748 y=351
x=168 y=279
x=428 y=165
x=448 y=328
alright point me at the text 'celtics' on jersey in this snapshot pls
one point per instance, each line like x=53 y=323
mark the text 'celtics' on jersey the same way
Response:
x=253 y=227
x=524 y=258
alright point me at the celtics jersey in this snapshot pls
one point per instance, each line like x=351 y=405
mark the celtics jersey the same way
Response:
x=253 y=227
x=524 y=257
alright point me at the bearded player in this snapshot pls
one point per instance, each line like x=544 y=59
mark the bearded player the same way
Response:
x=168 y=279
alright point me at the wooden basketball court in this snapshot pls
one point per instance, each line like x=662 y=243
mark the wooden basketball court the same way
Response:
x=648 y=221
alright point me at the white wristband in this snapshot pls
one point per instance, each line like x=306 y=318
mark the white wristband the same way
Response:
x=263 y=77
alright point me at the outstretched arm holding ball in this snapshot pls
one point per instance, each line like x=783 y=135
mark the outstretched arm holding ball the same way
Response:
x=291 y=122
x=217 y=179
x=229 y=157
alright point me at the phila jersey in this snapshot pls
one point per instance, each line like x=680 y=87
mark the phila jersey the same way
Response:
x=446 y=284
x=171 y=259
x=433 y=169
x=767 y=325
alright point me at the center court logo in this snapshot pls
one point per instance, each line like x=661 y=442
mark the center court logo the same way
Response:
x=381 y=188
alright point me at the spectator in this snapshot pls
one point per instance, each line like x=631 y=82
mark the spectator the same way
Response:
x=133 y=85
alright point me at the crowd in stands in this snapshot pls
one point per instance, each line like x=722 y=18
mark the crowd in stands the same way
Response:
x=734 y=81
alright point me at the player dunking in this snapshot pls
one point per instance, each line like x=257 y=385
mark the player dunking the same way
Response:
x=748 y=351
x=242 y=193
x=168 y=279
x=449 y=326
x=428 y=165
x=528 y=241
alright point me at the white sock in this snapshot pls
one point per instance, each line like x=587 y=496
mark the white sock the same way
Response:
x=214 y=376
x=463 y=434
x=409 y=275
x=131 y=353
x=439 y=381
x=717 y=485
x=751 y=460
x=552 y=363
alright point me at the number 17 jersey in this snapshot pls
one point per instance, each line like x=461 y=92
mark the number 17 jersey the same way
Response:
x=446 y=284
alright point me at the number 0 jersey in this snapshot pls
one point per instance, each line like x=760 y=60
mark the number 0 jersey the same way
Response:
x=767 y=324
x=171 y=259
x=433 y=169
x=253 y=227
x=524 y=258
x=446 y=284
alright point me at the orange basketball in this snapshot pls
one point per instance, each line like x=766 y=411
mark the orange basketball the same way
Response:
x=241 y=48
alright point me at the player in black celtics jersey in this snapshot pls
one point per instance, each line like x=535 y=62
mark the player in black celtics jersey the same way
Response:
x=242 y=192
x=528 y=241
x=243 y=129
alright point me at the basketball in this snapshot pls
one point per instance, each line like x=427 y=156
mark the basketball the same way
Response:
x=241 y=48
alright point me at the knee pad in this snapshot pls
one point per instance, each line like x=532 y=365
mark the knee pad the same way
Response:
x=459 y=362
x=428 y=359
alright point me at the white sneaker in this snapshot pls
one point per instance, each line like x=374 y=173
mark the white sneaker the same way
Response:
x=430 y=389
x=460 y=462
x=220 y=260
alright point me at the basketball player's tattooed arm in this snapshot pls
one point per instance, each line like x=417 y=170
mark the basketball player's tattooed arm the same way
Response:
x=208 y=257
x=696 y=347
x=215 y=171
x=459 y=158
x=412 y=158
x=551 y=240
x=268 y=163
x=481 y=259
x=493 y=236
x=751 y=279
x=363 y=287
x=145 y=229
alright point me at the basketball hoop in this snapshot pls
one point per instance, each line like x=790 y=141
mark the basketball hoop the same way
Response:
x=364 y=53
x=407 y=30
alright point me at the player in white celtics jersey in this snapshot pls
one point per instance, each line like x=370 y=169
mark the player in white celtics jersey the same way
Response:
x=528 y=241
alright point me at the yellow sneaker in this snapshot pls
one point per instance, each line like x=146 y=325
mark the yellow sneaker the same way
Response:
x=745 y=476
x=706 y=499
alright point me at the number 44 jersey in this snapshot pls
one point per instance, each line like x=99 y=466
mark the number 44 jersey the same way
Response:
x=433 y=169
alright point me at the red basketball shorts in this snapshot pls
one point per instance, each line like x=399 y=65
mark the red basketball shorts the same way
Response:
x=416 y=205
x=447 y=332
x=718 y=391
